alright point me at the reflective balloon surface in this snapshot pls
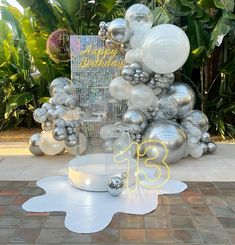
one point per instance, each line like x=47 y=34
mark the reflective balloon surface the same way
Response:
x=142 y=96
x=198 y=119
x=184 y=96
x=49 y=145
x=40 y=115
x=169 y=133
x=34 y=145
x=197 y=151
x=212 y=147
x=59 y=82
x=78 y=149
x=165 y=49
x=135 y=120
x=119 y=31
x=120 y=89
x=139 y=17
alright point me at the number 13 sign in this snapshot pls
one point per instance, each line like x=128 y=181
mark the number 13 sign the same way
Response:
x=160 y=154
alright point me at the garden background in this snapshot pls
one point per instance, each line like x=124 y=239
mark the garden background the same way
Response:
x=26 y=69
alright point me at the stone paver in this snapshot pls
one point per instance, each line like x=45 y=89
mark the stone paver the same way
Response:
x=202 y=215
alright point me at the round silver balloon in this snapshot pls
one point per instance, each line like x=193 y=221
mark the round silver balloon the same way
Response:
x=206 y=137
x=47 y=126
x=119 y=31
x=166 y=108
x=169 y=133
x=34 y=145
x=212 y=147
x=40 y=115
x=198 y=119
x=184 y=97
x=71 y=140
x=108 y=146
x=59 y=82
x=48 y=106
x=135 y=120
x=59 y=134
x=205 y=148
x=128 y=74
x=116 y=186
x=60 y=123
x=164 y=80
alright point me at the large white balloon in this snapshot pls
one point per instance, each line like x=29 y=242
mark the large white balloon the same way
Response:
x=165 y=49
x=120 y=89
x=49 y=145
x=142 y=96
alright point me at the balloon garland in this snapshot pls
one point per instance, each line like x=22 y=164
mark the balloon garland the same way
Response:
x=159 y=108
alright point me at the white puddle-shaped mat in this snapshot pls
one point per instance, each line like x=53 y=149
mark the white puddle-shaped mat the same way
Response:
x=88 y=212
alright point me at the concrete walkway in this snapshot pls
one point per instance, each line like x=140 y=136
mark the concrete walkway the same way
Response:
x=17 y=164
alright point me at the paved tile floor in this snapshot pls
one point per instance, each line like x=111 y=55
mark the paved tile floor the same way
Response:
x=204 y=214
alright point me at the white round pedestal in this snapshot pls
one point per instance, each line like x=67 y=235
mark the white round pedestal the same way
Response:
x=92 y=172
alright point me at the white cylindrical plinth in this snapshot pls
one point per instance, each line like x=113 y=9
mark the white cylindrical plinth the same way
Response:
x=92 y=172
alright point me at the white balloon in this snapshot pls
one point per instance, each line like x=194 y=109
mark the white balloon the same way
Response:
x=165 y=49
x=133 y=56
x=49 y=145
x=137 y=40
x=142 y=96
x=120 y=89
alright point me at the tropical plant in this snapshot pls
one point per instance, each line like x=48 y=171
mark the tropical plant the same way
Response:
x=210 y=25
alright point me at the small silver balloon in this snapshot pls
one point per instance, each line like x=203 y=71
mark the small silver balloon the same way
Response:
x=206 y=137
x=128 y=74
x=40 y=115
x=71 y=102
x=60 y=123
x=166 y=108
x=172 y=135
x=184 y=96
x=135 y=120
x=116 y=186
x=59 y=82
x=136 y=66
x=47 y=126
x=71 y=140
x=50 y=115
x=59 y=134
x=47 y=106
x=119 y=31
x=34 y=145
x=205 y=148
x=212 y=147
x=198 y=119
x=102 y=25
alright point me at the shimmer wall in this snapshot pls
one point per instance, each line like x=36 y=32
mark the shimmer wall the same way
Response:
x=92 y=69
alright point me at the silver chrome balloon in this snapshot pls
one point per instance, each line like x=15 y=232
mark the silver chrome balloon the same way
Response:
x=59 y=134
x=212 y=147
x=206 y=137
x=40 y=115
x=119 y=31
x=60 y=123
x=47 y=126
x=34 y=145
x=198 y=119
x=164 y=80
x=71 y=140
x=169 y=133
x=136 y=66
x=135 y=120
x=128 y=73
x=59 y=82
x=184 y=97
x=116 y=186
x=205 y=148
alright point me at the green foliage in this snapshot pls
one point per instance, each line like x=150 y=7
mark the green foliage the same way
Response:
x=210 y=69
